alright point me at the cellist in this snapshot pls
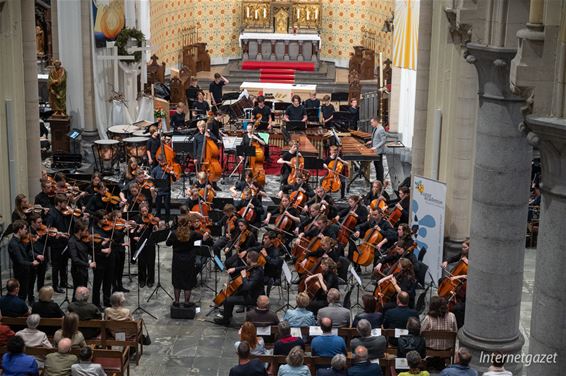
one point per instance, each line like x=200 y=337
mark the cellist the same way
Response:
x=284 y=208
x=377 y=221
x=321 y=226
x=463 y=254
x=323 y=198
x=333 y=156
x=270 y=249
x=328 y=279
x=229 y=225
x=300 y=184
x=404 y=242
x=285 y=160
x=403 y=280
x=249 y=137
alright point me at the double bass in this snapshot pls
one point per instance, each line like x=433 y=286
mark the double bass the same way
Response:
x=169 y=155
x=256 y=162
x=209 y=159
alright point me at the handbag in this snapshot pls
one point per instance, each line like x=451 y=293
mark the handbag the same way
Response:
x=145 y=339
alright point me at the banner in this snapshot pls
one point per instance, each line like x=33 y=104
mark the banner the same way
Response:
x=406 y=34
x=427 y=220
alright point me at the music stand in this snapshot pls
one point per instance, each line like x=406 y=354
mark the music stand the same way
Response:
x=314 y=163
x=313 y=114
x=357 y=284
x=139 y=307
x=339 y=97
x=343 y=119
x=242 y=151
x=157 y=237
x=281 y=106
x=184 y=149
x=295 y=126
x=288 y=277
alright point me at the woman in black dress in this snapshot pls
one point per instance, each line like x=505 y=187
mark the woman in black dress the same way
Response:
x=183 y=273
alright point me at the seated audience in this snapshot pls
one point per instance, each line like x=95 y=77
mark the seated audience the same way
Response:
x=248 y=333
x=5 y=333
x=375 y=345
x=10 y=304
x=361 y=366
x=338 y=367
x=85 y=366
x=85 y=310
x=59 y=363
x=461 y=366
x=15 y=361
x=340 y=316
x=415 y=363
x=396 y=318
x=412 y=341
x=369 y=303
x=294 y=366
x=261 y=315
x=247 y=366
x=328 y=344
x=300 y=316
x=71 y=331
x=117 y=311
x=286 y=341
x=438 y=318
x=497 y=366
x=33 y=337
x=45 y=306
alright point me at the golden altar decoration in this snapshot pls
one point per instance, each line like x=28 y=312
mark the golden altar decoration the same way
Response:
x=295 y=16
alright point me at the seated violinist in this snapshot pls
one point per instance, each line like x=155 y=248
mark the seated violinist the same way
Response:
x=333 y=156
x=162 y=175
x=376 y=221
x=270 y=248
x=134 y=196
x=244 y=239
x=251 y=288
x=229 y=226
x=300 y=185
x=327 y=279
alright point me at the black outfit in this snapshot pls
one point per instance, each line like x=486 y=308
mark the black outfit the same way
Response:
x=330 y=230
x=374 y=318
x=295 y=113
x=285 y=168
x=104 y=271
x=355 y=111
x=119 y=253
x=405 y=213
x=152 y=145
x=95 y=204
x=312 y=103
x=222 y=241
x=162 y=182
x=327 y=111
x=265 y=114
x=316 y=199
x=247 y=294
x=80 y=254
x=22 y=257
x=319 y=301
x=386 y=229
x=201 y=107
x=177 y=120
x=59 y=260
x=199 y=140
x=86 y=311
x=396 y=318
x=253 y=368
x=273 y=266
x=146 y=265
x=215 y=90
x=370 y=196
x=40 y=249
x=284 y=345
x=192 y=94
x=411 y=342
x=47 y=309
x=288 y=188
x=44 y=200
x=183 y=272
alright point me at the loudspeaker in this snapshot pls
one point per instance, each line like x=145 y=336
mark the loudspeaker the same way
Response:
x=184 y=312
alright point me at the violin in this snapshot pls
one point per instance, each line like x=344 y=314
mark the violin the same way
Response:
x=76 y=212
x=119 y=224
x=150 y=219
x=42 y=230
x=29 y=238
x=109 y=199
x=147 y=184
x=94 y=238
x=331 y=182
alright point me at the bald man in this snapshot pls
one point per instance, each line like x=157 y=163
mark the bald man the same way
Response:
x=361 y=366
x=261 y=315
x=59 y=363
x=328 y=344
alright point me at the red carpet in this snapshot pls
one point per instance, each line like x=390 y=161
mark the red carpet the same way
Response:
x=295 y=65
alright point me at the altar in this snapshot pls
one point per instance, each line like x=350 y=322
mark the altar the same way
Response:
x=279 y=92
x=281 y=30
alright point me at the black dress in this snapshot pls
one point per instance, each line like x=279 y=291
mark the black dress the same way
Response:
x=184 y=273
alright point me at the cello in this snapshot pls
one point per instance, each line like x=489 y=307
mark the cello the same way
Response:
x=366 y=251
x=313 y=246
x=448 y=288
x=331 y=182
x=209 y=159
x=346 y=227
x=256 y=162
x=297 y=167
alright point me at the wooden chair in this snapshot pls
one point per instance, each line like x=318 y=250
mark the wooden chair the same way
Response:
x=443 y=335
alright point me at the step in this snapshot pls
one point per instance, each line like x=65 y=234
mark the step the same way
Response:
x=299 y=65
x=278 y=71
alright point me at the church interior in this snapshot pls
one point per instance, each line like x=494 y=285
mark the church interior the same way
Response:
x=282 y=187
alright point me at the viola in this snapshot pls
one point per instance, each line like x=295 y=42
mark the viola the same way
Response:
x=231 y=224
x=366 y=251
x=110 y=199
x=331 y=182
x=248 y=212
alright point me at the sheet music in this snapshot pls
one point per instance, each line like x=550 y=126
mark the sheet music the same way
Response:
x=401 y=332
x=315 y=331
x=263 y=330
x=355 y=275
x=264 y=136
x=230 y=142
x=296 y=332
x=136 y=255
x=401 y=363
x=198 y=243
x=287 y=272
x=376 y=332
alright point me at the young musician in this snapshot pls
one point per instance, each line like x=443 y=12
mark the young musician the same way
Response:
x=354 y=110
x=162 y=177
x=285 y=160
x=229 y=225
x=199 y=140
x=328 y=279
x=300 y=184
x=322 y=198
x=322 y=226
x=376 y=192
x=313 y=101
x=265 y=113
x=405 y=280
x=377 y=143
x=153 y=144
x=271 y=250
x=333 y=156
x=105 y=260
x=97 y=201
x=146 y=266
x=45 y=198
x=354 y=205
x=285 y=207
x=327 y=112
x=118 y=250
x=296 y=111
x=215 y=89
x=307 y=221
x=252 y=287
x=81 y=256
x=183 y=269
x=404 y=242
x=377 y=221
x=192 y=92
x=58 y=243
x=244 y=239
x=23 y=260
x=178 y=118
x=39 y=248
x=403 y=203
x=200 y=106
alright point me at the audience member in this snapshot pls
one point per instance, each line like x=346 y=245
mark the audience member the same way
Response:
x=375 y=345
x=5 y=333
x=414 y=361
x=86 y=367
x=70 y=329
x=300 y=316
x=59 y=363
x=338 y=367
x=294 y=366
x=412 y=341
x=461 y=366
x=396 y=318
x=369 y=303
x=248 y=333
x=438 y=318
x=328 y=344
x=45 y=306
x=85 y=310
x=361 y=366
x=10 y=304
x=286 y=341
x=33 y=337
x=117 y=311
x=15 y=362
x=340 y=316
x=247 y=366
x=497 y=366
x=261 y=315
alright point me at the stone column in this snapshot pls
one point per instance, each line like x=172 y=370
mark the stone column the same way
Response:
x=90 y=132
x=54 y=29
x=32 y=97
x=548 y=314
x=499 y=212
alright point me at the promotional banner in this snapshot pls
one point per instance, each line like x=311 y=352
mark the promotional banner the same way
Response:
x=427 y=220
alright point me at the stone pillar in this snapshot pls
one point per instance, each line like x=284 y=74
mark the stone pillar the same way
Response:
x=54 y=29
x=90 y=132
x=499 y=212
x=421 y=95
x=548 y=314
x=32 y=97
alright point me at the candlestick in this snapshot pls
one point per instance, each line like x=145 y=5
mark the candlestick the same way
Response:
x=316 y=14
x=308 y=14
x=264 y=13
x=381 y=70
x=247 y=12
x=256 y=14
x=298 y=13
